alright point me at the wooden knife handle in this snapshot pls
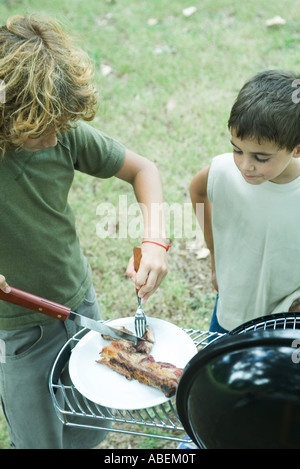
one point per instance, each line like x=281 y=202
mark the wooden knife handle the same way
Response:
x=36 y=303
x=137 y=256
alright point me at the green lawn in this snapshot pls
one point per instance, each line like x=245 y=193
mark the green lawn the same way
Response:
x=167 y=83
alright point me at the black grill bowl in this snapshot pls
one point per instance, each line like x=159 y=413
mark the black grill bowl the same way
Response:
x=243 y=391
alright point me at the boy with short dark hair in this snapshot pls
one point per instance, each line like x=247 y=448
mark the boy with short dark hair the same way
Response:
x=252 y=202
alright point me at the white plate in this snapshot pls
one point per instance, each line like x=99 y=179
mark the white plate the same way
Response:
x=106 y=387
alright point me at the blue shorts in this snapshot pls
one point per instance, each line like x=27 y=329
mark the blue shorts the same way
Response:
x=214 y=324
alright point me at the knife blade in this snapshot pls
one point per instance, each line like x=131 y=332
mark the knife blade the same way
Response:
x=63 y=313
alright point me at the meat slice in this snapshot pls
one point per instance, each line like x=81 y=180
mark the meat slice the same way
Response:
x=135 y=362
x=142 y=346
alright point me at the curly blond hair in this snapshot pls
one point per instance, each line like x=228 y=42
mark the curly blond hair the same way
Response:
x=47 y=80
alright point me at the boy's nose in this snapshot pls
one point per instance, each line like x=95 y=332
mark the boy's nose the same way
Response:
x=247 y=165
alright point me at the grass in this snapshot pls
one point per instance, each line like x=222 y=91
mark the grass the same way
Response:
x=4 y=439
x=167 y=97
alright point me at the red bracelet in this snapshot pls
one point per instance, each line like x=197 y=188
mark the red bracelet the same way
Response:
x=161 y=245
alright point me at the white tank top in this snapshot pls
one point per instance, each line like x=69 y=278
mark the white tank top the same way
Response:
x=256 y=231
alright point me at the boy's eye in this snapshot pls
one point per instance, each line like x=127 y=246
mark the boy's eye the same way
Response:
x=261 y=160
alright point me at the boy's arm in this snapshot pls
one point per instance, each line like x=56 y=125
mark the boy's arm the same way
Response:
x=198 y=193
x=147 y=186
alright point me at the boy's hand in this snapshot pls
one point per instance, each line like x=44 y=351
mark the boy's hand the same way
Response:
x=3 y=284
x=152 y=271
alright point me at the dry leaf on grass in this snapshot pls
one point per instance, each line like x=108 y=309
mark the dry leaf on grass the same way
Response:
x=171 y=105
x=152 y=21
x=276 y=21
x=189 y=11
x=105 y=69
x=198 y=248
x=202 y=253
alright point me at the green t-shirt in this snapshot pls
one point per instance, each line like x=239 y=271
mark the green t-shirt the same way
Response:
x=39 y=248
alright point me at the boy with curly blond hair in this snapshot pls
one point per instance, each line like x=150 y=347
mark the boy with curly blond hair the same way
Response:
x=44 y=139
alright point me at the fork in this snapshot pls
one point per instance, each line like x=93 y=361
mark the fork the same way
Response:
x=140 y=321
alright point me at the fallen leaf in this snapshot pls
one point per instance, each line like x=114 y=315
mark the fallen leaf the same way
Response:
x=276 y=21
x=164 y=49
x=171 y=105
x=189 y=11
x=203 y=253
x=104 y=20
x=105 y=69
x=152 y=21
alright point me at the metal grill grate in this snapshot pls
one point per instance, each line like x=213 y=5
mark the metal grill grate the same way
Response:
x=271 y=322
x=74 y=409
x=157 y=422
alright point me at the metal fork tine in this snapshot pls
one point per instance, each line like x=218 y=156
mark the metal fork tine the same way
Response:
x=140 y=321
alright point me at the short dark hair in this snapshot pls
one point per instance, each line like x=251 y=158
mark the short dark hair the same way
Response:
x=266 y=109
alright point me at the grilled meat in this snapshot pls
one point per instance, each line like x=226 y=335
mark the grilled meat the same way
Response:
x=135 y=362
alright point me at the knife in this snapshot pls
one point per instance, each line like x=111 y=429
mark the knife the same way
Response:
x=63 y=313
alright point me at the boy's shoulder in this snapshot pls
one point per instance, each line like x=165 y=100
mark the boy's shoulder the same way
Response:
x=222 y=162
x=222 y=173
x=77 y=132
x=223 y=159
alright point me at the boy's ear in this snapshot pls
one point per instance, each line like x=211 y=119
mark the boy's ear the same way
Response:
x=297 y=151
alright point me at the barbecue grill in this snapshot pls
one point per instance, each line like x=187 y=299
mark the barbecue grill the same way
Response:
x=161 y=421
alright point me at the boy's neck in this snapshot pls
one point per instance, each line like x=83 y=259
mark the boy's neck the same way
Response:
x=291 y=173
